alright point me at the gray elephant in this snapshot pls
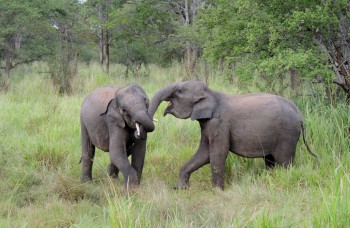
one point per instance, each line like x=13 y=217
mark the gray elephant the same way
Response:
x=116 y=121
x=252 y=125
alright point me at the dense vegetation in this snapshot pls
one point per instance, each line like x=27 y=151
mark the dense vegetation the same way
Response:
x=52 y=53
x=296 y=41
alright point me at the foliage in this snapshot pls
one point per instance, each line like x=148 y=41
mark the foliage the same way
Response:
x=64 y=60
x=278 y=36
x=24 y=35
x=250 y=38
x=39 y=30
x=139 y=31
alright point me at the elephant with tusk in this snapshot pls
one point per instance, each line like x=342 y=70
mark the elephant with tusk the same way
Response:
x=116 y=120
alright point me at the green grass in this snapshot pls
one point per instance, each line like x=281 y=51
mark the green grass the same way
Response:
x=40 y=175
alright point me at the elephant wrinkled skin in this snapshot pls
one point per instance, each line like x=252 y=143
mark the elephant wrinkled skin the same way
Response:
x=108 y=119
x=252 y=125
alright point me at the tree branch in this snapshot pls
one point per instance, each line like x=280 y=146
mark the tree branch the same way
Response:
x=342 y=85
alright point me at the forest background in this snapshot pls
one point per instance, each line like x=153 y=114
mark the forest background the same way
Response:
x=52 y=53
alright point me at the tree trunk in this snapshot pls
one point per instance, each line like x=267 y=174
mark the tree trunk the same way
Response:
x=206 y=72
x=100 y=35
x=293 y=79
x=107 y=40
x=10 y=43
x=188 y=44
x=6 y=83
x=342 y=73
x=193 y=61
x=329 y=94
x=191 y=51
x=231 y=68
x=188 y=59
x=127 y=72
x=17 y=41
x=221 y=66
x=342 y=57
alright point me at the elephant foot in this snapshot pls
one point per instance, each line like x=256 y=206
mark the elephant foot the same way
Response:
x=132 y=181
x=181 y=185
x=113 y=175
x=85 y=179
x=219 y=187
x=112 y=171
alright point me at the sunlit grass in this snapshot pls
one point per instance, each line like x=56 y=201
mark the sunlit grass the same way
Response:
x=40 y=175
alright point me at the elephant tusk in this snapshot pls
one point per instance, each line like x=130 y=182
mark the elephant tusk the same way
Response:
x=138 y=129
x=155 y=120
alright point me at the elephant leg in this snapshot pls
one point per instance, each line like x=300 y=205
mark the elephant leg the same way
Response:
x=88 y=154
x=284 y=153
x=200 y=158
x=112 y=170
x=269 y=161
x=218 y=153
x=138 y=152
x=118 y=157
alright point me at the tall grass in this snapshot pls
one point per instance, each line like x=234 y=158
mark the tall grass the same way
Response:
x=40 y=150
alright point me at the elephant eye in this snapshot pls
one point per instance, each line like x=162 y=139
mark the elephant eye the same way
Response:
x=178 y=91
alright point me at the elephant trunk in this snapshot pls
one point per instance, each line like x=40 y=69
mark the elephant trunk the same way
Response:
x=160 y=96
x=144 y=121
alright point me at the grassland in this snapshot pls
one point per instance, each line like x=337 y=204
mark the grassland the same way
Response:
x=40 y=150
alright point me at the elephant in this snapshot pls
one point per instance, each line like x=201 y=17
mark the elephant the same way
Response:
x=116 y=120
x=251 y=125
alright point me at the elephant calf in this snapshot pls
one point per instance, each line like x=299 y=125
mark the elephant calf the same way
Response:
x=252 y=125
x=116 y=121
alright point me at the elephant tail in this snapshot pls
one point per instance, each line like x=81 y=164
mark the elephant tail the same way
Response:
x=305 y=142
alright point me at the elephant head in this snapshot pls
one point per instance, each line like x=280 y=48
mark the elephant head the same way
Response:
x=187 y=99
x=129 y=107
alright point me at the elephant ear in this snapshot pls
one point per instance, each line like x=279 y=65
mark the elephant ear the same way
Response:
x=113 y=115
x=205 y=107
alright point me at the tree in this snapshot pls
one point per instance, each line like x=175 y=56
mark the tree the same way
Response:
x=97 y=13
x=94 y=13
x=281 y=38
x=187 y=36
x=23 y=35
x=326 y=24
x=66 y=18
x=138 y=32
